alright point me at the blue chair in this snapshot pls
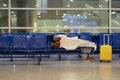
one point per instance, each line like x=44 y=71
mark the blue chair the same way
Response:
x=115 y=42
x=39 y=45
x=19 y=44
x=4 y=44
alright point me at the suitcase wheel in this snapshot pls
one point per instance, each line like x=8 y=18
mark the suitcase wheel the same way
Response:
x=100 y=60
x=109 y=61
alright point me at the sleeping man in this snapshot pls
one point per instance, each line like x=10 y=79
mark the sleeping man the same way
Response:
x=71 y=43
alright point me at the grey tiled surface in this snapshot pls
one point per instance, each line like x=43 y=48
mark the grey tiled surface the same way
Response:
x=66 y=69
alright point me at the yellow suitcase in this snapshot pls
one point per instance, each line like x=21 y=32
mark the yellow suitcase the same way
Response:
x=105 y=49
x=105 y=53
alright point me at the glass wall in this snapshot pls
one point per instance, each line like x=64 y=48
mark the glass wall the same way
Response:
x=49 y=16
x=3 y=30
x=56 y=20
x=3 y=18
x=115 y=18
x=25 y=3
x=115 y=21
x=115 y=3
x=60 y=3
x=3 y=3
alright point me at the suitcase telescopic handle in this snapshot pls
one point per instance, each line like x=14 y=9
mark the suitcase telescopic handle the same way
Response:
x=107 y=38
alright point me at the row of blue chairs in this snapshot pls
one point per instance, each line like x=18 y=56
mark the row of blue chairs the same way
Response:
x=23 y=43
x=36 y=44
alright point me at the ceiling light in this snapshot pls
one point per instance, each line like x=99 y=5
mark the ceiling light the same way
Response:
x=71 y=21
x=113 y=12
x=38 y=13
x=37 y=5
x=57 y=30
x=68 y=5
x=57 y=26
x=78 y=15
x=64 y=19
x=71 y=0
x=4 y=5
x=106 y=0
x=12 y=12
x=39 y=16
x=65 y=26
x=13 y=15
x=100 y=6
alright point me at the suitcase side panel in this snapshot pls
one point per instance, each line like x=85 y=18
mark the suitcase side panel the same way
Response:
x=106 y=52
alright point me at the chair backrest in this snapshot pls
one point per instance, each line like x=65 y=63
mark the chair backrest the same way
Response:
x=85 y=36
x=4 y=41
x=19 y=41
x=115 y=40
x=72 y=34
x=39 y=41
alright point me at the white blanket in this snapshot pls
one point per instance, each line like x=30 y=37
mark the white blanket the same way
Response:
x=71 y=43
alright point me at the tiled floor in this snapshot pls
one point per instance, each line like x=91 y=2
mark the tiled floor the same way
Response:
x=66 y=69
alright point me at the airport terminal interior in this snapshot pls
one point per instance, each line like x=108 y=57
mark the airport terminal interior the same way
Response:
x=59 y=39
